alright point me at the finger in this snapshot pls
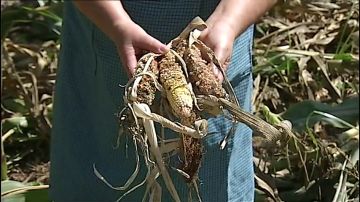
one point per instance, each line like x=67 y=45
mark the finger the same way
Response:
x=139 y=53
x=224 y=59
x=226 y=63
x=218 y=73
x=128 y=59
x=153 y=45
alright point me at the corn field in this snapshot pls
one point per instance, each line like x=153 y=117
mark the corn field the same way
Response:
x=306 y=72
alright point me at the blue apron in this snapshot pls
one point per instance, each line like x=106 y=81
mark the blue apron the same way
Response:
x=87 y=97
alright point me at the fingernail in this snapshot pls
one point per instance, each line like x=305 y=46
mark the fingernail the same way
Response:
x=131 y=71
x=216 y=70
x=221 y=78
x=218 y=73
x=164 y=49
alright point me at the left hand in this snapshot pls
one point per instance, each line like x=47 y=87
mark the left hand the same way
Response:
x=220 y=39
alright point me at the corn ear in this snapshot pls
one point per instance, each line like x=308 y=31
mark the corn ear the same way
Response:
x=146 y=88
x=175 y=85
x=198 y=59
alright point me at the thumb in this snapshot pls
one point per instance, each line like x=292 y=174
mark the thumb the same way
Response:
x=153 y=45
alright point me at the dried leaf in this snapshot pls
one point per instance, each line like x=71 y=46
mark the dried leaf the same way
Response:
x=334 y=91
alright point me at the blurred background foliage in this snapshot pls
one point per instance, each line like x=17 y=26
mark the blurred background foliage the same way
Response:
x=306 y=70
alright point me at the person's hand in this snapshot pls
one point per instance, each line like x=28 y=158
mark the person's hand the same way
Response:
x=220 y=39
x=132 y=42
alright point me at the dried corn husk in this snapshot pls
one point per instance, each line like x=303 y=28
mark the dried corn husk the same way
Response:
x=181 y=76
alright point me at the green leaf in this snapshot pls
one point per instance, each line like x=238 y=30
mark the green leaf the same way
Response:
x=343 y=57
x=37 y=196
x=47 y=27
x=8 y=16
x=333 y=120
x=8 y=185
x=44 y=11
x=269 y=116
x=15 y=105
x=302 y=113
x=276 y=63
x=18 y=121
x=30 y=193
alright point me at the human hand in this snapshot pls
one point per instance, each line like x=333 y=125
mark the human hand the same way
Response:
x=132 y=42
x=220 y=39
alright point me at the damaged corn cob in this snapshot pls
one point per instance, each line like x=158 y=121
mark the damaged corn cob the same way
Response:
x=186 y=67
x=204 y=82
x=192 y=151
x=201 y=73
x=175 y=85
x=146 y=88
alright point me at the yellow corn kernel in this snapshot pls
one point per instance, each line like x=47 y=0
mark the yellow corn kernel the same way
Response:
x=175 y=85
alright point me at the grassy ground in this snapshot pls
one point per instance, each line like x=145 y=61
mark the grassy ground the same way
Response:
x=306 y=70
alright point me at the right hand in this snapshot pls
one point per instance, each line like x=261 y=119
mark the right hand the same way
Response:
x=220 y=38
x=133 y=42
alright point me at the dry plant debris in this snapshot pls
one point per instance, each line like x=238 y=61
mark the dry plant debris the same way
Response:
x=188 y=91
x=306 y=52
